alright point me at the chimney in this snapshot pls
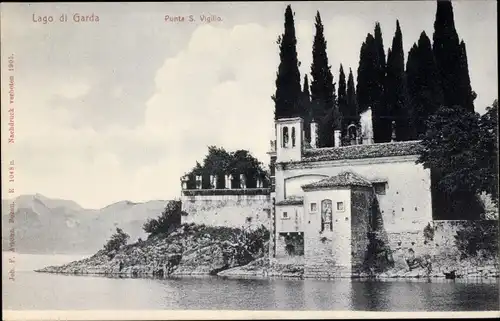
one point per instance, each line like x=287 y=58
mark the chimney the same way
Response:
x=336 y=138
x=314 y=134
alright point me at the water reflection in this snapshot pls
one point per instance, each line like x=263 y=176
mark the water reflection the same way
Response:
x=51 y=291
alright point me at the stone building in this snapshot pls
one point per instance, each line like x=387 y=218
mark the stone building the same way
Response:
x=228 y=205
x=332 y=205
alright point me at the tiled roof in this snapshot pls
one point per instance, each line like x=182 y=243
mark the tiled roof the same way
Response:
x=363 y=151
x=342 y=179
x=291 y=201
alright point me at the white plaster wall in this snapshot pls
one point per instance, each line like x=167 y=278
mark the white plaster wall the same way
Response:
x=339 y=240
x=407 y=204
x=293 y=185
x=227 y=210
x=294 y=222
x=287 y=154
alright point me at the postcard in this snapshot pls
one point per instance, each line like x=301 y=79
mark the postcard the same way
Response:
x=234 y=160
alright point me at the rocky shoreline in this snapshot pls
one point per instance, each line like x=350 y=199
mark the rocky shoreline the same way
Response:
x=261 y=268
x=198 y=250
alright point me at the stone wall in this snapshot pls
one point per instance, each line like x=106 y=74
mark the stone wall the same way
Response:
x=327 y=253
x=227 y=210
x=361 y=201
x=440 y=248
x=295 y=239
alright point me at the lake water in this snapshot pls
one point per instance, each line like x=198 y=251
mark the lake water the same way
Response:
x=40 y=291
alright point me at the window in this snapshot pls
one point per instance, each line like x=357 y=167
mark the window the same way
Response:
x=293 y=136
x=340 y=206
x=379 y=188
x=285 y=215
x=285 y=136
x=313 y=207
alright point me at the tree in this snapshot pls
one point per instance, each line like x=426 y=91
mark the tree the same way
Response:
x=468 y=95
x=379 y=107
x=220 y=162
x=371 y=74
x=451 y=59
x=489 y=145
x=342 y=101
x=352 y=105
x=168 y=221
x=395 y=92
x=323 y=89
x=456 y=147
x=424 y=90
x=288 y=92
x=306 y=109
x=117 y=241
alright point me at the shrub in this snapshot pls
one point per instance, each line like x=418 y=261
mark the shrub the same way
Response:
x=428 y=233
x=167 y=222
x=477 y=240
x=117 y=241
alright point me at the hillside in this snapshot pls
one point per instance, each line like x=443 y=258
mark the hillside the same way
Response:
x=44 y=225
x=190 y=249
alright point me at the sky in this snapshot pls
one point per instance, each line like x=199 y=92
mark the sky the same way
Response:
x=121 y=108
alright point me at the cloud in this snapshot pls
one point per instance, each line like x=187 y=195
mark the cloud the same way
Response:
x=125 y=117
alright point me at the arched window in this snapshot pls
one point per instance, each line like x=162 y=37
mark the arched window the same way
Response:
x=352 y=134
x=285 y=136
x=293 y=136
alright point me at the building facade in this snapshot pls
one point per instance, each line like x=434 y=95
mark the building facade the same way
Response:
x=331 y=204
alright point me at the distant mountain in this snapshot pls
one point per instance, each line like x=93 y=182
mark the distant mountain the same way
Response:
x=44 y=225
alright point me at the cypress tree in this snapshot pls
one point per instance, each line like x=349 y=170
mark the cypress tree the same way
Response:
x=451 y=59
x=366 y=74
x=395 y=91
x=424 y=91
x=468 y=95
x=323 y=89
x=352 y=105
x=369 y=89
x=306 y=109
x=379 y=108
x=288 y=92
x=342 y=101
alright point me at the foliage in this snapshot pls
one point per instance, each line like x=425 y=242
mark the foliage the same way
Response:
x=351 y=114
x=371 y=74
x=451 y=59
x=246 y=244
x=220 y=162
x=323 y=96
x=342 y=100
x=428 y=233
x=489 y=144
x=395 y=93
x=424 y=90
x=117 y=241
x=461 y=152
x=169 y=220
x=477 y=240
x=306 y=110
x=288 y=92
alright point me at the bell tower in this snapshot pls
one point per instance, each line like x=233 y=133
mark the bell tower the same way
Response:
x=289 y=139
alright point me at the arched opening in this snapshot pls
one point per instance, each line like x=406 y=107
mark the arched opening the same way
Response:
x=352 y=133
x=293 y=136
x=285 y=136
